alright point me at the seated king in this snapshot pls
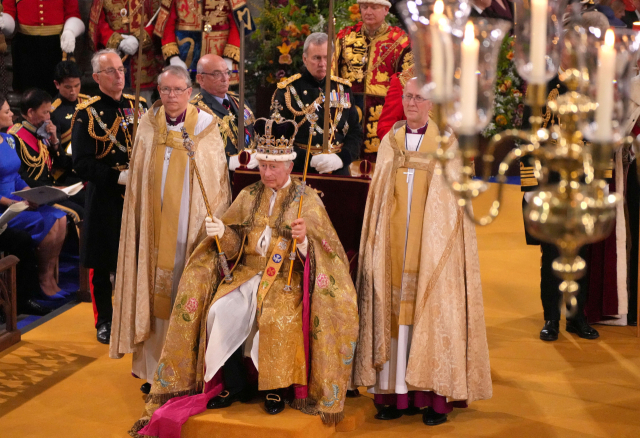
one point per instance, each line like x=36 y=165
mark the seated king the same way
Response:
x=298 y=328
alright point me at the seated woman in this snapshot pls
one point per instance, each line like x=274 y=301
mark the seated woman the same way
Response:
x=46 y=225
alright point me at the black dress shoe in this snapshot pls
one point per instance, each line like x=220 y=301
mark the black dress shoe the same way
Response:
x=632 y=321
x=353 y=393
x=146 y=388
x=389 y=413
x=550 y=330
x=273 y=404
x=104 y=333
x=222 y=400
x=432 y=418
x=582 y=329
x=32 y=307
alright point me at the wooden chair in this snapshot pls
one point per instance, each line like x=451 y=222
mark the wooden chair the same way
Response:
x=10 y=335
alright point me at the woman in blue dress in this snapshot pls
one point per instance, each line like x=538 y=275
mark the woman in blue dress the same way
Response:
x=46 y=225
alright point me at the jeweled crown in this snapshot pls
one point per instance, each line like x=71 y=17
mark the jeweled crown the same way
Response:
x=274 y=137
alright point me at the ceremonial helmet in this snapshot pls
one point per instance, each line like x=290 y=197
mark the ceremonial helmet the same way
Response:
x=274 y=139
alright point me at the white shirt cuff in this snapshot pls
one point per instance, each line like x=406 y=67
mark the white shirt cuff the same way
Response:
x=302 y=247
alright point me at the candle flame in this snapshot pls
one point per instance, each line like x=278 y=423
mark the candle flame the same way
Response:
x=609 y=38
x=469 y=33
x=438 y=8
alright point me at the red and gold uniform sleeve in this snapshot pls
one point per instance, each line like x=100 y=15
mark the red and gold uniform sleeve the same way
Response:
x=41 y=13
x=168 y=35
x=107 y=37
x=392 y=111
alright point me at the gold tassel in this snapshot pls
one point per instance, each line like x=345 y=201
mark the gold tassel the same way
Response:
x=332 y=418
x=299 y=403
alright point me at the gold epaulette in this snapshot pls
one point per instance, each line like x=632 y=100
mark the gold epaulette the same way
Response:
x=197 y=98
x=340 y=80
x=283 y=84
x=55 y=104
x=83 y=97
x=14 y=129
x=205 y=108
x=527 y=176
x=87 y=103
x=132 y=97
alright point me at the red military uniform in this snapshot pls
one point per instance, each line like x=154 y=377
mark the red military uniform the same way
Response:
x=36 y=45
x=393 y=111
x=110 y=19
x=191 y=28
x=368 y=62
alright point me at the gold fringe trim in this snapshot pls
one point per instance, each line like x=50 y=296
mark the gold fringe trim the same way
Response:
x=137 y=427
x=114 y=41
x=333 y=418
x=299 y=403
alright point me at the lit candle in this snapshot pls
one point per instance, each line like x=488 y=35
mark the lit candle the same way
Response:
x=468 y=79
x=437 y=53
x=538 y=47
x=604 y=90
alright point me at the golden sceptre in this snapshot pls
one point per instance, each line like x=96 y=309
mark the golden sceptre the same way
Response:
x=188 y=145
x=292 y=256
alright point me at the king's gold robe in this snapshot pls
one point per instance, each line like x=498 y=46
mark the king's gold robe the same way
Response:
x=333 y=316
x=434 y=286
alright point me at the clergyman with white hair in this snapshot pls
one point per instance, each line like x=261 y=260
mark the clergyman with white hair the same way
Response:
x=431 y=355
x=163 y=218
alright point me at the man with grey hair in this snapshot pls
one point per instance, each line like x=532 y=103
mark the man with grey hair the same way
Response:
x=214 y=78
x=163 y=217
x=301 y=98
x=101 y=131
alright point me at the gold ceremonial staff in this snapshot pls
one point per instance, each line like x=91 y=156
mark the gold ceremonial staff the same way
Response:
x=188 y=145
x=292 y=255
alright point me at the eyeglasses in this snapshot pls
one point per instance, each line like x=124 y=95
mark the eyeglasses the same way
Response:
x=112 y=71
x=417 y=99
x=217 y=74
x=176 y=91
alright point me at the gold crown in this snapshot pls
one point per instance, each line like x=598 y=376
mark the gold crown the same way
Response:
x=266 y=132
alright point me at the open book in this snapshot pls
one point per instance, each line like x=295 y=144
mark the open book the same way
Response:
x=12 y=211
x=47 y=194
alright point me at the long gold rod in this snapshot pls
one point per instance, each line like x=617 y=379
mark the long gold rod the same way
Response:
x=292 y=256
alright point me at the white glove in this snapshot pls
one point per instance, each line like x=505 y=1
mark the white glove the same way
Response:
x=325 y=163
x=229 y=63
x=175 y=60
x=129 y=44
x=253 y=163
x=67 y=41
x=214 y=227
x=234 y=161
x=7 y=24
x=528 y=196
x=123 y=178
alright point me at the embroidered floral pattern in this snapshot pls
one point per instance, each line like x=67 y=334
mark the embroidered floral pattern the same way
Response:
x=322 y=281
x=326 y=285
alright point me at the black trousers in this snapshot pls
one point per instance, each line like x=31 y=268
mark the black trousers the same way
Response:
x=549 y=284
x=102 y=295
x=34 y=61
x=633 y=204
x=234 y=373
x=19 y=243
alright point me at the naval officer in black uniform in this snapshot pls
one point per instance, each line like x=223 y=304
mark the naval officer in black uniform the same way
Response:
x=101 y=138
x=301 y=98
x=213 y=75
